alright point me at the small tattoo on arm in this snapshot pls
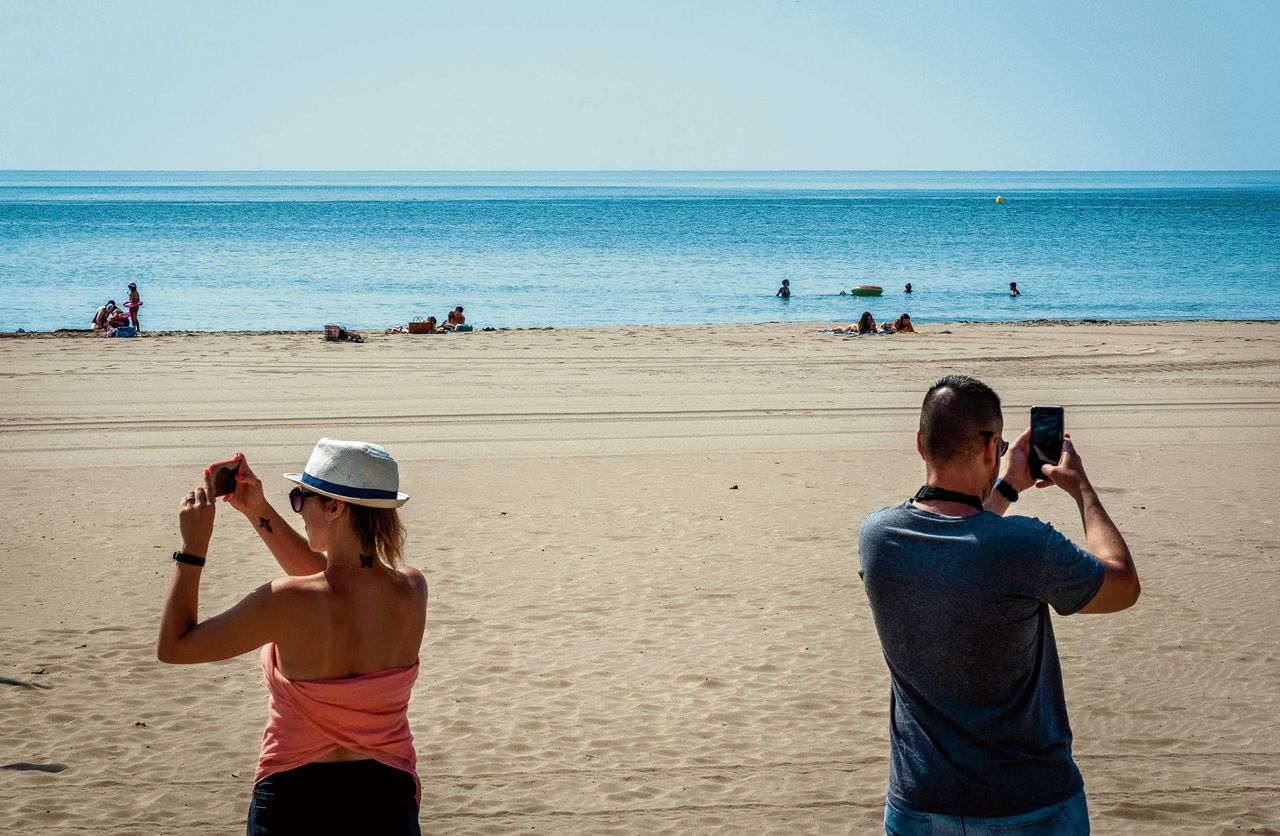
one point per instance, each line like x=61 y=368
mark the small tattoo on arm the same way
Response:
x=366 y=561
x=263 y=522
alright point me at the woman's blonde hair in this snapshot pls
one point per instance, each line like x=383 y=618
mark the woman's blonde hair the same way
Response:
x=380 y=532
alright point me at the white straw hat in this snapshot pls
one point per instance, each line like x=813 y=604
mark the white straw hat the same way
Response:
x=353 y=471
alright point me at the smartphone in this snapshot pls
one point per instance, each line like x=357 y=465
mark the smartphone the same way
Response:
x=1047 y=426
x=222 y=475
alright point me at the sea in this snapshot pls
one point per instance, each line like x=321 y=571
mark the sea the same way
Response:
x=267 y=250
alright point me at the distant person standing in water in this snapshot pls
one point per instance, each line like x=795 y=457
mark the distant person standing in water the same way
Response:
x=785 y=290
x=135 y=302
x=907 y=289
x=1013 y=290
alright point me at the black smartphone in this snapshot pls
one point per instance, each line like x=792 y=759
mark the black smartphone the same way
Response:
x=223 y=476
x=1047 y=426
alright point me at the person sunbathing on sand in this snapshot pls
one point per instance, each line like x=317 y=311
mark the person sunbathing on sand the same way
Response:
x=866 y=324
x=339 y=637
x=454 y=319
x=901 y=325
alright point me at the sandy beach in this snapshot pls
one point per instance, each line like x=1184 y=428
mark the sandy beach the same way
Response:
x=645 y=615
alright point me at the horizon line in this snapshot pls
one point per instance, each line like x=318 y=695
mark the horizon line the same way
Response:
x=646 y=170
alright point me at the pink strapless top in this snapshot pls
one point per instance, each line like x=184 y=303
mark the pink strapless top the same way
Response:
x=306 y=720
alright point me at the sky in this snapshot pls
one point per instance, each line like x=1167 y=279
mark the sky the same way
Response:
x=702 y=84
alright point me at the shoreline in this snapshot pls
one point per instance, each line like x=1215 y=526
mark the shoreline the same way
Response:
x=80 y=333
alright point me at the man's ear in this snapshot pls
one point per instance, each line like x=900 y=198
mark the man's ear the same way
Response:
x=990 y=446
x=920 y=445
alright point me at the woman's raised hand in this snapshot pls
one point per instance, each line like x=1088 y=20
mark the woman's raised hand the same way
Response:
x=195 y=521
x=248 y=497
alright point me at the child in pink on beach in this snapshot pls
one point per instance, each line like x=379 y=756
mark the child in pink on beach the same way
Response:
x=135 y=302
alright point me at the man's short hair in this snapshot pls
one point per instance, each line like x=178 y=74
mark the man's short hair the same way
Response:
x=956 y=410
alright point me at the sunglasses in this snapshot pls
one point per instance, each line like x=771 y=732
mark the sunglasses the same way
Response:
x=1002 y=446
x=297 y=496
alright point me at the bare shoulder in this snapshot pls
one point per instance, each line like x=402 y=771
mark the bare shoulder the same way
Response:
x=415 y=579
x=298 y=590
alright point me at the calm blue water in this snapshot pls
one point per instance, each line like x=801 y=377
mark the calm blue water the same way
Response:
x=267 y=250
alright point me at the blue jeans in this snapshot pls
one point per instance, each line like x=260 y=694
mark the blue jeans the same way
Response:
x=1070 y=818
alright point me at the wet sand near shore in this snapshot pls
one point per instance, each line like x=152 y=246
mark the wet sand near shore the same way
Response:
x=645 y=615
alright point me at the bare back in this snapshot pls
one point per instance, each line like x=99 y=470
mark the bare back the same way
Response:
x=345 y=622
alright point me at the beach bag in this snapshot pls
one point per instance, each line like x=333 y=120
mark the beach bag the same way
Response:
x=331 y=333
x=417 y=327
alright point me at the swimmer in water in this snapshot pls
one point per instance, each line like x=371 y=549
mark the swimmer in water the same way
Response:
x=1013 y=289
x=785 y=290
x=907 y=289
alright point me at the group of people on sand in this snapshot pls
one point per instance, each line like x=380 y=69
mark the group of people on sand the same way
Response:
x=866 y=324
x=109 y=316
x=979 y=738
x=454 y=321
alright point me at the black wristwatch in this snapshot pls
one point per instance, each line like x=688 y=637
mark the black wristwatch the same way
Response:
x=1006 y=490
x=189 y=559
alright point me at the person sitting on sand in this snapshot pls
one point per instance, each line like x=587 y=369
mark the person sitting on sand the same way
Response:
x=901 y=325
x=431 y=328
x=116 y=318
x=785 y=290
x=454 y=319
x=1013 y=289
x=103 y=314
x=339 y=638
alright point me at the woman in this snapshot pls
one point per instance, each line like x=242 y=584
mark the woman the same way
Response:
x=866 y=324
x=339 y=639
x=901 y=325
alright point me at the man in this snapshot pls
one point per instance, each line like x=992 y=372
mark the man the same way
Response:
x=978 y=729
x=785 y=290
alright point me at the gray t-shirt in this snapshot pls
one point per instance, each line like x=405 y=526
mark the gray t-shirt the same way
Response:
x=977 y=718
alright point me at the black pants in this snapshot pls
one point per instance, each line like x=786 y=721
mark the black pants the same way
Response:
x=348 y=797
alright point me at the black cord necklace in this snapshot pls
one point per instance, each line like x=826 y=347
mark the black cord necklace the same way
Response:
x=930 y=492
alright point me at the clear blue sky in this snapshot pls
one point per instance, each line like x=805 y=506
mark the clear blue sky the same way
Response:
x=702 y=84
